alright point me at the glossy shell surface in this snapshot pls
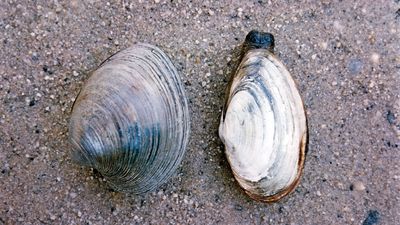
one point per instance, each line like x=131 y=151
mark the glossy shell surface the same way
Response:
x=130 y=121
x=263 y=126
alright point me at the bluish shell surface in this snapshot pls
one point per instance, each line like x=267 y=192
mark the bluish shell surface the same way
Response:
x=131 y=121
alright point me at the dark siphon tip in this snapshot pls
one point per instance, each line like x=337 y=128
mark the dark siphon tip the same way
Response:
x=257 y=39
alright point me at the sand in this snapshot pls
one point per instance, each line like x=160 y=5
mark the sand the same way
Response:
x=344 y=56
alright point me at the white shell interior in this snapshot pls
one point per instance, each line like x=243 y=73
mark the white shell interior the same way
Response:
x=264 y=124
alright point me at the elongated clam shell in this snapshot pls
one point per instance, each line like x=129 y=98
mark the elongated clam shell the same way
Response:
x=131 y=121
x=264 y=126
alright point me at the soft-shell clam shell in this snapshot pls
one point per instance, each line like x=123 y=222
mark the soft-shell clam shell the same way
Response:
x=263 y=125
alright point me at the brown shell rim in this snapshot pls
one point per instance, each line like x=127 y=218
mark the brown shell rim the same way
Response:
x=289 y=189
x=303 y=145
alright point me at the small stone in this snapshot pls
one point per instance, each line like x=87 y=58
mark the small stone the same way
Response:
x=355 y=66
x=238 y=207
x=75 y=73
x=58 y=179
x=371 y=84
x=318 y=193
x=339 y=27
x=357 y=186
x=372 y=218
x=53 y=217
x=185 y=200
x=390 y=117
x=375 y=58
x=364 y=10
x=58 y=8
x=79 y=214
x=73 y=195
x=323 y=45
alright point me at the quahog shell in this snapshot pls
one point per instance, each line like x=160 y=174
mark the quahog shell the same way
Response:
x=263 y=126
x=131 y=121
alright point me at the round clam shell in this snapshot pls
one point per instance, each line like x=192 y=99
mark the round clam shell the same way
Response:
x=131 y=121
x=264 y=127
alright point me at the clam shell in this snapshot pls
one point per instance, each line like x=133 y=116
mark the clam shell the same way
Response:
x=130 y=121
x=263 y=126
